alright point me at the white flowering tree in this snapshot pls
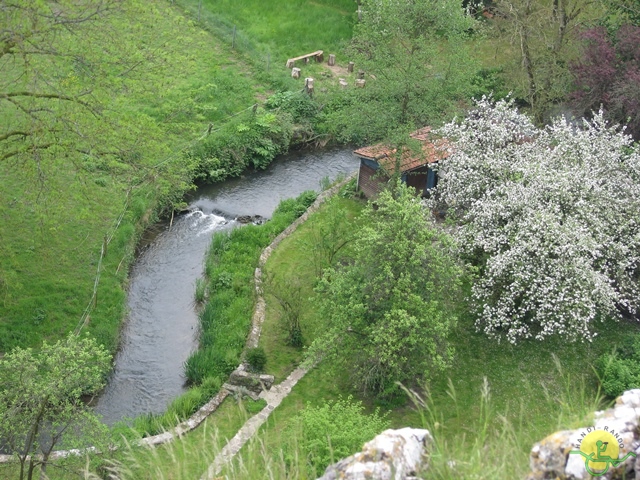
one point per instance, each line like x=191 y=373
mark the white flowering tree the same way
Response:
x=551 y=218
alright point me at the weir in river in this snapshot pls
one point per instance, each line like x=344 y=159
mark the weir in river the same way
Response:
x=162 y=325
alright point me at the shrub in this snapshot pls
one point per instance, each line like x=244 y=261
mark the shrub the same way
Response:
x=335 y=430
x=257 y=359
x=620 y=370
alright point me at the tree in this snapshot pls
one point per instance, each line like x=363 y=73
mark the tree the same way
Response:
x=544 y=33
x=608 y=76
x=417 y=67
x=390 y=309
x=550 y=217
x=42 y=399
x=288 y=293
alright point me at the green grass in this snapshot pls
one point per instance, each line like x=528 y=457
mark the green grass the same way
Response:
x=295 y=256
x=230 y=266
x=280 y=29
x=51 y=232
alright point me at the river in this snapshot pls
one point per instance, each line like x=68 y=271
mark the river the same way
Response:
x=161 y=328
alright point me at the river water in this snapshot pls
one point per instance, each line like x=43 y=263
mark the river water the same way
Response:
x=161 y=328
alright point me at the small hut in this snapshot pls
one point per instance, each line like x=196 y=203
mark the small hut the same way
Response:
x=379 y=162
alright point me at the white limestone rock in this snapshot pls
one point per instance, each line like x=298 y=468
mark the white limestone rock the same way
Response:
x=392 y=455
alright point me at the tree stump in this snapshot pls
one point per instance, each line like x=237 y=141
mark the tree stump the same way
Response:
x=290 y=63
x=320 y=57
x=361 y=74
x=360 y=83
x=295 y=72
x=343 y=83
x=308 y=86
x=332 y=60
x=350 y=67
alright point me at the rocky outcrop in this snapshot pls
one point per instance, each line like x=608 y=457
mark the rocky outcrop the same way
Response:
x=392 y=455
x=552 y=458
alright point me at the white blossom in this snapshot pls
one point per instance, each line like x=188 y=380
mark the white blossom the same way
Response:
x=551 y=217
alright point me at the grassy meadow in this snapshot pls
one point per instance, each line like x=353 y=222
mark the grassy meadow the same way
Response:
x=56 y=216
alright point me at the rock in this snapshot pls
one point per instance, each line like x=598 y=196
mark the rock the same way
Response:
x=251 y=381
x=255 y=219
x=392 y=455
x=552 y=458
x=550 y=455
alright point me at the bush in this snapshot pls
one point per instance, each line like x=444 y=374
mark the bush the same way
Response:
x=250 y=141
x=298 y=104
x=620 y=370
x=257 y=359
x=334 y=430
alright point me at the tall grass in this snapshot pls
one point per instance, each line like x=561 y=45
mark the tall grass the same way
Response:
x=493 y=445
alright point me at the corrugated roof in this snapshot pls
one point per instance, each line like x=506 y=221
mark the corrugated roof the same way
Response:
x=432 y=151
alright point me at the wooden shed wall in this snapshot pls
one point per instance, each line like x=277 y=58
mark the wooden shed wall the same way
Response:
x=370 y=180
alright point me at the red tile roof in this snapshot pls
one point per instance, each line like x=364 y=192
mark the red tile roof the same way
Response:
x=432 y=151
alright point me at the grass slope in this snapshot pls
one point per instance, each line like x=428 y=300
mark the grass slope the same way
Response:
x=54 y=221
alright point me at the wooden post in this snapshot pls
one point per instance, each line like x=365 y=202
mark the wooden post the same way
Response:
x=308 y=86
x=320 y=57
x=350 y=67
x=332 y=60
x=295 y=72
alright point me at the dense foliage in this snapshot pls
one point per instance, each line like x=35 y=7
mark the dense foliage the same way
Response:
x=417 y=68
x=390 y=309
x=334 y=430
x=42 y=403
x=620 y=370
x=551 y=218
x=608 y=76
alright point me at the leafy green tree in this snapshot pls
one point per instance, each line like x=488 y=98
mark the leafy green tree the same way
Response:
x=416 y=63
x=335 y=430
x=545 y=32
x=390 y=309
x=42 y=399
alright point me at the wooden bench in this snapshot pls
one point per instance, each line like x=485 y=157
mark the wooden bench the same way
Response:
x=319 y=55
